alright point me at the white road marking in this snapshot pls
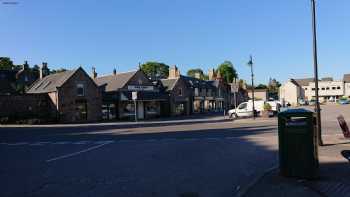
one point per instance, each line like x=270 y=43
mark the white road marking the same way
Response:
x=79 y=152
x=104 y=141
x=81 y=142
x=62 y=143
x=16 y=144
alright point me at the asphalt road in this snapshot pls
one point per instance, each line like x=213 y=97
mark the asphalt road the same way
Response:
x=212 y=157
x=206 y=157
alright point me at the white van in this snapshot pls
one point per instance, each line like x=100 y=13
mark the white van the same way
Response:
x=245 y=109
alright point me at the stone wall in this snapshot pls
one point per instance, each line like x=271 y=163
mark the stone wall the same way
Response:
x=21 y=108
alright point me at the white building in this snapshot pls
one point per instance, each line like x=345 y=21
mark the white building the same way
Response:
x=346 y=80
x=290 y=92
x=329 y=90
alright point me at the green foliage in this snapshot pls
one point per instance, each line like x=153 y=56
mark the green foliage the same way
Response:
x=58 y=70
x=227 y=71
x=6 y=63
x=261 y=86
x=192 y=73
x=155 y=70
x=267 y=107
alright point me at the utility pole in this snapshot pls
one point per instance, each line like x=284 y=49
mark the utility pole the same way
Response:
x=317 y=104
x=250 y=63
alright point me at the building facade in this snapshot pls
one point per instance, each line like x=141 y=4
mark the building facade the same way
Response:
x=130 y=94
x=290 y=92
x=329 y=90
x=74 y=94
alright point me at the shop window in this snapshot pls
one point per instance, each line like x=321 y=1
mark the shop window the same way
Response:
x=80 y=89
x=179 y=109
x=152 y=108
x=127 y=109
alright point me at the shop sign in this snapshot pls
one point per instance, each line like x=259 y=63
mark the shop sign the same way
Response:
x=140 y=88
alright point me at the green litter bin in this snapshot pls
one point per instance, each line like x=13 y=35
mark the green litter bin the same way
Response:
x=298 y=154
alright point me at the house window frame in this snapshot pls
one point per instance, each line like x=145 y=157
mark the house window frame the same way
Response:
x=80 y=85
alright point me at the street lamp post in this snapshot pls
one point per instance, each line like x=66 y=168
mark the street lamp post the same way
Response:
x=250 y=63
x=317 y=104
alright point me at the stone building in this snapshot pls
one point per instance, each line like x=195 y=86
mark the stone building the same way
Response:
x=180 y=95
x=118 y=103
x=17 y=79
x=74 y=94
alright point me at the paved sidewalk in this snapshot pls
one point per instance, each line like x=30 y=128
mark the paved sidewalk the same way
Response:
x=334 y=178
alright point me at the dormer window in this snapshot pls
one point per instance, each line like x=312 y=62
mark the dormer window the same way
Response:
x=80 y=89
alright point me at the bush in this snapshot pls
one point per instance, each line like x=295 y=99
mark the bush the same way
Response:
x=267 y=107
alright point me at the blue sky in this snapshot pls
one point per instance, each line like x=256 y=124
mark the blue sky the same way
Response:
x=188 y=33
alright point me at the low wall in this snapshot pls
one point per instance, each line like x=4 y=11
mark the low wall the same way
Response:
x=28 y=108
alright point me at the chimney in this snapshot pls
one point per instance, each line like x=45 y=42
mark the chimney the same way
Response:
x=94 y=73
x=114 y=71
x=174 y=72
x=197 y=75
x=44 y=70
x=211 y=74
x=25 y=65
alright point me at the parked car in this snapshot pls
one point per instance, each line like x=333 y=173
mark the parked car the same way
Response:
x=312 y=102
x=303 y=102
x=344 y=101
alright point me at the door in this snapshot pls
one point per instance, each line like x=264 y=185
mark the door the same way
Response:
x=242 y=110
x=140 y=110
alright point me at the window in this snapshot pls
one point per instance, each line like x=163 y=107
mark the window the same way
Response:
x=333 y=88
x=313 y=89
x=80 y=89
x=323 y=88
x=305 y=88
x=327 y=88
x=338 y=87
x=180 y=91
x=242 y=106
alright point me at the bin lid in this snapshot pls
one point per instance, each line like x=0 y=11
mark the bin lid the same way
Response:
x=298 y=111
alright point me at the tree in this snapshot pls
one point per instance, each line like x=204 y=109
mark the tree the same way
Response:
x=155 y=70
x=192 y=73
x=58 y=70
x=6 y=63
x=261 y=86
x=227 y=71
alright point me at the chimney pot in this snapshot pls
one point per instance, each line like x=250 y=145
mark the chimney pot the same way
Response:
x=94 y=74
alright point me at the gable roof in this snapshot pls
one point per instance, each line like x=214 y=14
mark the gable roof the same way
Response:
x=115 y=82
x=169 y=84
x=346 y=78
x=50 y=82
x=294 y=82
x=305 y=81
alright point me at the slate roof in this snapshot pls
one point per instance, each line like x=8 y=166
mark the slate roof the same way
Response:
x=305 y=81
x=169 y=84
x=327 y=79
x=294 y=82
x=346 y=78
x=197 y=83
x=50 y=82
x=115 y=82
